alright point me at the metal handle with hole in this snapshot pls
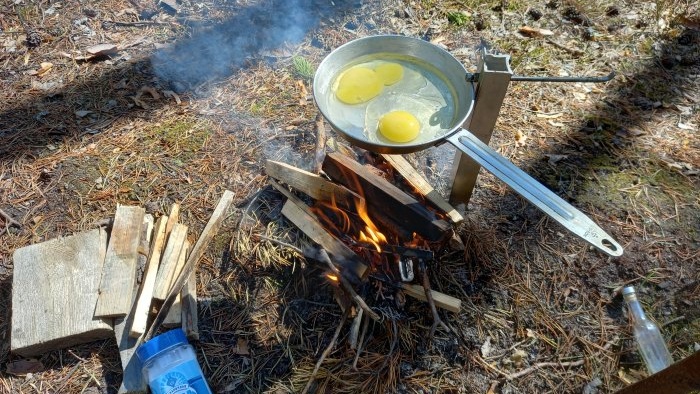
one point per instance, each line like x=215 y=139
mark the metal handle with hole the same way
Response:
x=536 y=193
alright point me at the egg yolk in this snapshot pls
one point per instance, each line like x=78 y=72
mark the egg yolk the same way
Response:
x=389 y=73
x=358 y=85
x=399 y=126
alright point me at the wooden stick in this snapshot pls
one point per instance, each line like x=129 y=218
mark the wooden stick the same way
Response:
x=429 y=296
x=327 y=351
x=200 y=247
x=119 y=271
x=441 y=300
x=143 y=303
x=313 y=185
x=167 y=272
x=355 y=329
x=174 y=316
x=188 y=298
x=173 y=217
x=573 y=51
x=323 y=256
x=422 y=186
x=9 y=218
x=320 y=143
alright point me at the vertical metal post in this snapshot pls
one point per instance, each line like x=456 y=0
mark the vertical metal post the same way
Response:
x=492 y=84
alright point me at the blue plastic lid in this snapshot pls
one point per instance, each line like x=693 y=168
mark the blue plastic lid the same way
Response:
x=161 y=343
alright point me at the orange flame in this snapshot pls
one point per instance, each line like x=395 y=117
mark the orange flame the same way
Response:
x=371 y=233
x=332 y=277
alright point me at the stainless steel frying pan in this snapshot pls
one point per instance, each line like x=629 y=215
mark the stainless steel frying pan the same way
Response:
x=435 y=63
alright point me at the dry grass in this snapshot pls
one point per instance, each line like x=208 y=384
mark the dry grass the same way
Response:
x=541 y=311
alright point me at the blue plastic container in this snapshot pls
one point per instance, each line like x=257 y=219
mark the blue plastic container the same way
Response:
x=170 y=365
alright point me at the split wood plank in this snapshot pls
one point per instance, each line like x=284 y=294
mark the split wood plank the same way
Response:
x=119 y=270
x=313 y=185
x=54 y=291
x=384 y=199
x=173 y=217
x=679 y=378
x=188 y=300
x=150 y=271
x=132 y=381
x=441 y=300
x=422 y=186
x=198 y=250
x=168 y=265
x=301 y=216
x=174 y=316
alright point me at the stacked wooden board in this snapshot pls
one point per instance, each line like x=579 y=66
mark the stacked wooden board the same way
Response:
x=84 y=287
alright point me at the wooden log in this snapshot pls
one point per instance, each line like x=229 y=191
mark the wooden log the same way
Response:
x=188 y=300
x=174 y=316
x=301 y=216
x=54 y=291
x=313 y=185
x=168 y=265
x=132 y=381
x=422 y=186
x=385 y=199
x=119 y=270
x=143 y=304
x=441 y=300
x=205 y=238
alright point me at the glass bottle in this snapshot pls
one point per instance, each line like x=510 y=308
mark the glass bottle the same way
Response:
x=649 y=340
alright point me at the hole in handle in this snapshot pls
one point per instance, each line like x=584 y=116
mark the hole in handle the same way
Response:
x=609 y=244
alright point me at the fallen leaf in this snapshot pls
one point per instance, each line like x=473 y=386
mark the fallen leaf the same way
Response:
x=520 y=137
x=151 y=91
x=518 y=357
x=24 y=366
x=45 y=67
x=686 y=126
x=241 y=347
x=102 y=49
x=534 y=32
x=303 y=93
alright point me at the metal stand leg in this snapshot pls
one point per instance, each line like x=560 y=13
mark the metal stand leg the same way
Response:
x=494 y=78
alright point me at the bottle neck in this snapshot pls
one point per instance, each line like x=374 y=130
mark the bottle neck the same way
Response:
x=635 y=308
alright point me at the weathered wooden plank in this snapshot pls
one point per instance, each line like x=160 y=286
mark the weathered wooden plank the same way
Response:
x=188 y=300
x=168 y=264
x=132 y=381
x=422 y=186
x=313 y=185
x=384 y=199
x=678 y=378
x=119 y=271
x=174 y=316
x=210 y=230
x=301 y=216
x=441 y=300
x=54 y=291
x=143 y=303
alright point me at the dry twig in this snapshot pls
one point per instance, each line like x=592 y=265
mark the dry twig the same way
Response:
x=437 y=321
x=327 y=351
x=320 y=143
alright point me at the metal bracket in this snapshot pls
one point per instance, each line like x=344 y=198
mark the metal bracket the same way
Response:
x=494 y=75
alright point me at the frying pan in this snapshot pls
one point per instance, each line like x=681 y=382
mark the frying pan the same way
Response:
x=439 y=66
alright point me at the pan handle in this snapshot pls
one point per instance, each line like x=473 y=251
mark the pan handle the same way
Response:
x=536 y=193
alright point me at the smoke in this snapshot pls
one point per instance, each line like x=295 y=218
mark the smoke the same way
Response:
x=218 y=51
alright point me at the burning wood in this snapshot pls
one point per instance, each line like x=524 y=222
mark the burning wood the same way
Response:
x=361 y=247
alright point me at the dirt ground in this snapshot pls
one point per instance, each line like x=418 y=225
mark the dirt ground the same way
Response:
x=192 y=101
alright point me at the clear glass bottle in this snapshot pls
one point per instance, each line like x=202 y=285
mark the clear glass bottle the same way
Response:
x=649 y=340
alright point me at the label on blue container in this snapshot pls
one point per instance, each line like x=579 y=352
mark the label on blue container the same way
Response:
x=186 y=378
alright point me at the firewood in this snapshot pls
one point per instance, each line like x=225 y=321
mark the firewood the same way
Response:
x=384 y=199
x=415 y=179
x=198 y=250
x=174 y=316
x=46 y=313
x=301 y=216
x=188 y=298
x=167 y=272
x=119 y=271
x=173 y=217
x=143 y=303
x=441 y=300
x=313 y=185
x=132 y=381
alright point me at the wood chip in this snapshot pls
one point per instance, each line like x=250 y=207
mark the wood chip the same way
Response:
x=534 y=32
